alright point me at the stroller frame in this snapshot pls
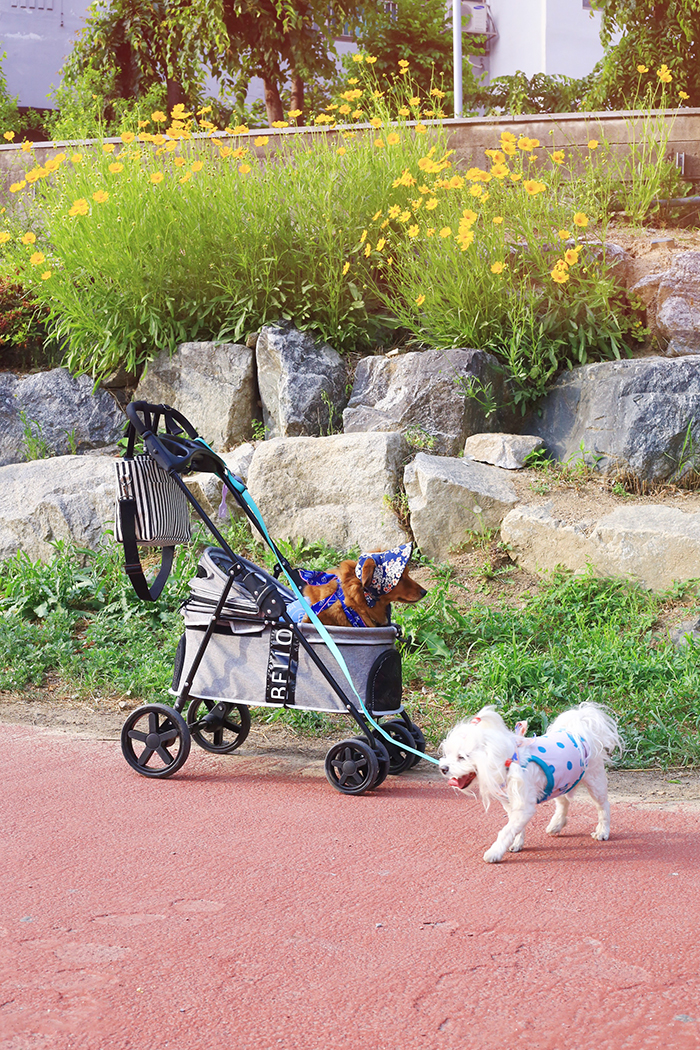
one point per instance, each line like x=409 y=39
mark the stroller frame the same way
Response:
x=156 y=738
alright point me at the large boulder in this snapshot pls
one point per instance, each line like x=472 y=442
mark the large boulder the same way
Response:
x=302 y=383
x=641 y=415
x=338 y=488
x=64 y=498
x=424 y=395
x=652 y=545
x=672 y=299
x=451 y=501
x=54 y=413
x=212 y=384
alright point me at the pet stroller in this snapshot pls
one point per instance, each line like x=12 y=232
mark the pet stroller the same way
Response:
x=240 y=647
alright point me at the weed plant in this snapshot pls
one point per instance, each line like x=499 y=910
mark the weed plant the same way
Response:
x=580 y=638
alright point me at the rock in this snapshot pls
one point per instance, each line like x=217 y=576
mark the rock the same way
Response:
x=53 y=413
x=64 y=498
x=672 y=298
x=685 y=632
x=633 y=415
x=212 y=384
x=337 y=489
x=450 y=498
x=508 y=451
x=206 y=488
x=422 y=394
x=652 y=545
x=301 y=381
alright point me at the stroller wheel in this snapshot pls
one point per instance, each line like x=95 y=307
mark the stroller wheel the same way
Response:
x=379 y=748
x=219 y=728
x=399 y=758
x=352 y=767
x=155 y=740
x=419 y=741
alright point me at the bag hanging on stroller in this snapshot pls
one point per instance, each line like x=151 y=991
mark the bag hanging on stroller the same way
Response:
x=240 y=647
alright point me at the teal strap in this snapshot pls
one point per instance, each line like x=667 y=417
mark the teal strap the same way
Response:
x=250 y=503
x=549 y=786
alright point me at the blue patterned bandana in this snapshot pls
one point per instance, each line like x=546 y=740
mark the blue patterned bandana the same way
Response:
x=389 y=567
x=316 y=577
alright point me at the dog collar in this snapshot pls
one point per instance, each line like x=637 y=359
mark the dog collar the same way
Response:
x=389 y=567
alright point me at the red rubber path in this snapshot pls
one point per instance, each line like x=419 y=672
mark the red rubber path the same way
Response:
x=245 y=904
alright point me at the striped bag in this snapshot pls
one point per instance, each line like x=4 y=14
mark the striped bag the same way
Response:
x=152 y=511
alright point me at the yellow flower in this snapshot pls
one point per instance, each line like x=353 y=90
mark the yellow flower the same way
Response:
x=346 y=268
x=341 y=151
x=559 y=275
x=476 y=190
x=377 y=215
x=642 y=69
x=100 y=197
x=436 y=93
x=445 y=232
x=37 y=258
x=178 y=112
x=533 y=187
x=352 y=80
x=357 y=113
x=358 y=57
x=465 y=238
x=159 y=117
x=9 y=135
x=580 y=219
x=158 y=139
x=344 y=109
x=404 y=216
x=145 y=123
x=497 y=267
x=15 y=187
x=431 y=204
x=497 y=220
x=180 y=162
x=664 y=74
x=198 y=165
x=393 y=139
x=403 y=63
x=469 y=217
x=413 y=231
x=128 y=137
x=593 y=143
x=4 y=237
x=420 y=300
x=420 y=129
x=116 y=167
x=370 y=59
x=45 y=275
x=368 y=249
x=380 y=243
x=564 y=235
x=280 y=123
x=185 y=178
x=242 y=129
x=108 y=147
x=429 y=232
x=404 y=112
x=376 y=122
x=262 y=140
x=684 y=95
x=525 y=144
x=29 y=238
x=571 y=256
x=79 y=207
x=558 y=156
x=379 y=143
x=415 y=101
x=294 y=113
x=26 y=147
x=157 y=177
x=244 y=169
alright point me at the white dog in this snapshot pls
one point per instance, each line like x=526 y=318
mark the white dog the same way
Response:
x=521 y=771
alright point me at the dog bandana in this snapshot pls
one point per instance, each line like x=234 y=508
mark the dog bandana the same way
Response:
x=562 y=757
x=317 y=578
x=389 y=567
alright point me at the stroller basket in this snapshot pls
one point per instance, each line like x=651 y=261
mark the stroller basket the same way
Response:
x=242 y=649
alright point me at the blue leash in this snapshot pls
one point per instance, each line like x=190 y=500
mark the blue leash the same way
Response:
x=241 y=489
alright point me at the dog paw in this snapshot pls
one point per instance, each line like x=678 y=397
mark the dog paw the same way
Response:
x=601 y=834
x=517 y=845
x=493 y=856
x=555 y=828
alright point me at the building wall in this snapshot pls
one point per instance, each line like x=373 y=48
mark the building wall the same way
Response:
x=37 y=35
x=544 y=36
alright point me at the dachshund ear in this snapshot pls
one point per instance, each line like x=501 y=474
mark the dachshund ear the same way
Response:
x=367 y=572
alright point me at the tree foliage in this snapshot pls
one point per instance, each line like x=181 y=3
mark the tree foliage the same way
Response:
x=654 y=32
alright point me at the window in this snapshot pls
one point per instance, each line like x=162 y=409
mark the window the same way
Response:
x=33 y=5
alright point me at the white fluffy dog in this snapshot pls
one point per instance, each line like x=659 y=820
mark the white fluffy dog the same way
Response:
x=522 y=771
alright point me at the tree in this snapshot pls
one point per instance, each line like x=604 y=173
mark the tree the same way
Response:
x=419 y=32
x=136 y=44
x=284 y=41
x=654 y=33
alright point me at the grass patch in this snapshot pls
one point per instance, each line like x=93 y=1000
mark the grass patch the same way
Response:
x=579 y=638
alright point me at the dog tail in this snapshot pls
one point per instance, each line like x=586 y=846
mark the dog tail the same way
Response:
x=595 y=723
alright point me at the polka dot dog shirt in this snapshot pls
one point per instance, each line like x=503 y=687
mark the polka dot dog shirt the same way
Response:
x=562 y=757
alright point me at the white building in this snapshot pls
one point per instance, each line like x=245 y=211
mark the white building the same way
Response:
x=536 y=36
x=36 y=36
